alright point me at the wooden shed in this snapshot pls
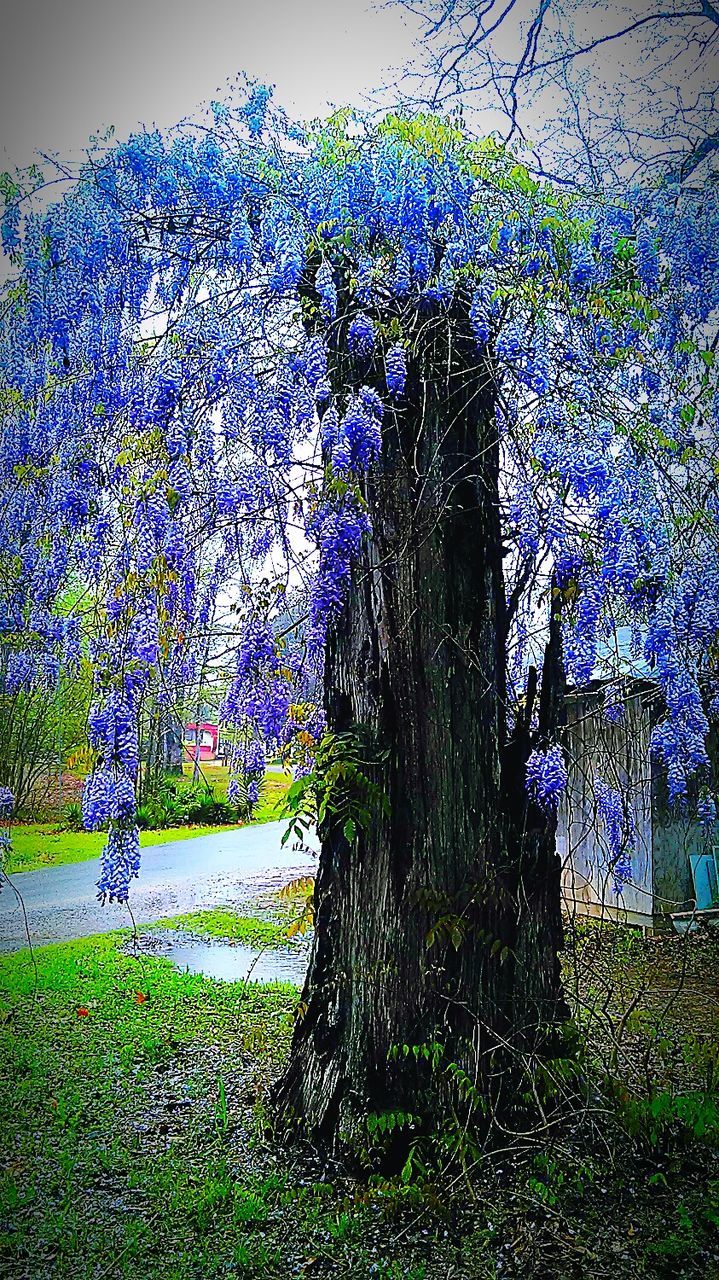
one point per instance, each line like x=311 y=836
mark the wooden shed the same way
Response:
x=669 y=850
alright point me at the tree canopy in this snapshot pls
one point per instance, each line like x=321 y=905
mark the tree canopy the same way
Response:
x=206 y=342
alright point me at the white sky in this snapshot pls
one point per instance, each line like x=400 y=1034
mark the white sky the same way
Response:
x=68 y=68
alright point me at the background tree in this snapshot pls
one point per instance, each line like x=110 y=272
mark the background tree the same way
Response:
x=473 y=418
x=597 y=94
x=45 y=693
x=42 y=728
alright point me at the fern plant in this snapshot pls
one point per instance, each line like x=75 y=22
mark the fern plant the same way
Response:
x=338 y=793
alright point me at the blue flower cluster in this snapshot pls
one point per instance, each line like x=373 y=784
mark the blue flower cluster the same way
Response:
x=249 y=764
x=361 y=336
x=707 y=810
x=339 y=527
x=546 y=777
x=360 y=434
x=618 y=832
x=259 y=696
x=396 y=370
x=120 y=864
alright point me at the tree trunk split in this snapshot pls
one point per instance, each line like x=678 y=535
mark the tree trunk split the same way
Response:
x=439 y=922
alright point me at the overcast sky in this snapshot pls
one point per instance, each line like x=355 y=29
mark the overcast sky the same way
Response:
x=68 y=68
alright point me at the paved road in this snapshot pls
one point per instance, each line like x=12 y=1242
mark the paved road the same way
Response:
x=224 y=868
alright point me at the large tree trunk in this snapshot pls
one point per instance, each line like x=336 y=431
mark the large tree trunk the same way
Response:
x=438 y=923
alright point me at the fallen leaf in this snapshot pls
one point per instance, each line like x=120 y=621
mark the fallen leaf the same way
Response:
x=140 y=997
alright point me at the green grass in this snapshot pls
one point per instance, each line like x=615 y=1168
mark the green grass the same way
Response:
x=134 y=1146
x=132 y=1131
x=228 y=925
x=217 y=776
x=104 y=1058
x=44 y=844
x=272 y=793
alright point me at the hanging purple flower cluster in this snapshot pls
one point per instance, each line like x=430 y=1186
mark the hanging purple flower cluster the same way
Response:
x=359 y=434
x=361 y=336
x=547 y=777
x=120 y=863
x=248 y=765
x=262 y=686
x=706 y=810
x=618 y=832
x=339 y=526
x=396 y=370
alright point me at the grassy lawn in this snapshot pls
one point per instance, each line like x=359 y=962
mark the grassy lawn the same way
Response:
x=226 y=925
x=217 y=776
x=128 y=1154
x=135 y=1145
x=45 y=844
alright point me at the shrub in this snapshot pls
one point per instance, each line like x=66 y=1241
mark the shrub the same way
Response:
x=144 y=816
x=175 y=802
x=667 y=1120
x=72 y=816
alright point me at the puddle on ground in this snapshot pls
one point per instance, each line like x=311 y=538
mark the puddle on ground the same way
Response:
x=226 y=961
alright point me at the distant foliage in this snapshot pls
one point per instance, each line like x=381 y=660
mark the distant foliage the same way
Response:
x=176 y=803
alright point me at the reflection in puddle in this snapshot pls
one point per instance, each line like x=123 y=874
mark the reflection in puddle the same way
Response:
x=227 y=961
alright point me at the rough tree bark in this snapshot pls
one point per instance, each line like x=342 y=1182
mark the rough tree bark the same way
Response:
x=418 y=660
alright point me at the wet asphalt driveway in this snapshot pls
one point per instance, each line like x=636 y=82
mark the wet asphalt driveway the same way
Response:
x=227 y=868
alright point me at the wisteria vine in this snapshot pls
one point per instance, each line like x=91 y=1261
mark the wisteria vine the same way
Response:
x=190 y=339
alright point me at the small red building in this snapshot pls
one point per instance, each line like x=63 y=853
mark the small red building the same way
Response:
x=209 y=740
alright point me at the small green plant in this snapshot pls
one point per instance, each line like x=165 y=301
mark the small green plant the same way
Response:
x=384 y=1122
x=667 y=1120
x=430 y=1051
x=547 y=1181
x=256 y=1260
x=342 y=1226
x=72 y=816
x=551 y=1176
x=144 y=815
x=702 y=1055
x=248 y=1206
x=222 y=1119
x=339 y=791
